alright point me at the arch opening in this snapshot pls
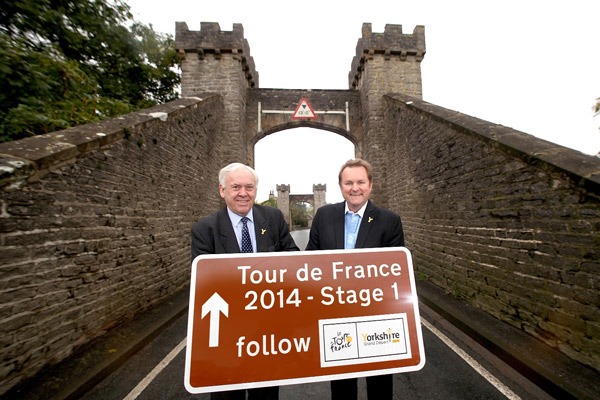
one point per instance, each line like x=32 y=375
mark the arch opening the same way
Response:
x=307 y=160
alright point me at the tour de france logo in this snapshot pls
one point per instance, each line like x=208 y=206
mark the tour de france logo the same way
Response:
x=364 y=339
x=341 y=341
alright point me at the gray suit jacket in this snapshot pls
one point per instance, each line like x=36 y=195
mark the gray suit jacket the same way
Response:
x=215 y=235
x=379 y=228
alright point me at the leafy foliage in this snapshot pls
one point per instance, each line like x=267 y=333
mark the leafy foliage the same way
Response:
x=272 y=202
x=66 y=63
x=300 y=212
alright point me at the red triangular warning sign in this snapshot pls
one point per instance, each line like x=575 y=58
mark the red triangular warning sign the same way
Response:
x=304 y=110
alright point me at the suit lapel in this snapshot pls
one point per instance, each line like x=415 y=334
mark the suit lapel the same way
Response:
x=339 y=226
x=227 y=235
x=365 y=225
x=260 y=229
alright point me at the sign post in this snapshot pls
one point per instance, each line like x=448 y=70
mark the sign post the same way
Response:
x=267 y=319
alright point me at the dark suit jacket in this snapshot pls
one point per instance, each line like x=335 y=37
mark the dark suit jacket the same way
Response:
x=378 y=228
x=215 y=235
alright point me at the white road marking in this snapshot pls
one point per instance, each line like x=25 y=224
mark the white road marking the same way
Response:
x=154 y=373
x=474 y=364
x=502 y=388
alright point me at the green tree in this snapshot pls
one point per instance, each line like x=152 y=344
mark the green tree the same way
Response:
x=300 y=213
x=272 y=202
x=65 y=63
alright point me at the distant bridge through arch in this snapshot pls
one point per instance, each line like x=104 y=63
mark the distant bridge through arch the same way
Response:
x=285 y=200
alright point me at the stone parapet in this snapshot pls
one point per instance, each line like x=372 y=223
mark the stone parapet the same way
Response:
x=95 y=224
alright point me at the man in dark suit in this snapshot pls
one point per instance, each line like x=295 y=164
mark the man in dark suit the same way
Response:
x=241 y=227
x=356 y=223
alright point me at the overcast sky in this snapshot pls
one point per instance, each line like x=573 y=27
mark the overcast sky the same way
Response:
x=531 y=65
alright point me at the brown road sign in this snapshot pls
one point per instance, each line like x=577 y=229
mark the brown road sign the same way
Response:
x=267 y=319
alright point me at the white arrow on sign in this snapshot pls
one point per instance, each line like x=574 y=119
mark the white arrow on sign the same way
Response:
x=215 y=305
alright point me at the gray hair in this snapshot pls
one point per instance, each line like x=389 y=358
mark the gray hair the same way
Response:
x=234 y=167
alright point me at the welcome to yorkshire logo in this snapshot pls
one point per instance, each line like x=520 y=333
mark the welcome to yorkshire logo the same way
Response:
x=341 y=341
x=385 y=337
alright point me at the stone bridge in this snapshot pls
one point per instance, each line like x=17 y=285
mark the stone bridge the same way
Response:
x=95 y=220
x=285 y=199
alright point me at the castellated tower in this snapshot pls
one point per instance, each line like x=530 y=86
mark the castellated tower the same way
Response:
x=319 y=192
x=216 y=61
x=283 y=201
x=388 y=62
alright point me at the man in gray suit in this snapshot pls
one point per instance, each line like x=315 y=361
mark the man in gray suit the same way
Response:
x=356 y=223
x=241 y=227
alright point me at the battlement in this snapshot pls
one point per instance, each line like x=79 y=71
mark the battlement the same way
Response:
x=391 y=43
x=212 y=40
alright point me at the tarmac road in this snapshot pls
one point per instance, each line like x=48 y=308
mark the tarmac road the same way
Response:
x=301 y=238
x=456 y=368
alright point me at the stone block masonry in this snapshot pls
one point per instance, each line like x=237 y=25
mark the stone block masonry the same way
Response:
x=95 y=220
x=503 y=220
x=95 y=225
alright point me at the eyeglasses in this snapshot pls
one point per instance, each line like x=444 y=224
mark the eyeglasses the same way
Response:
x=237 y=188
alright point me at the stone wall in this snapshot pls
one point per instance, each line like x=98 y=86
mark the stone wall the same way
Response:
x=95 y=226
x=388 y=62
x=219 y=61
x=503 y=220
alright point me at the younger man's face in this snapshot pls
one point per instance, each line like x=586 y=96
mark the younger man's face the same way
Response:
x=356 y=187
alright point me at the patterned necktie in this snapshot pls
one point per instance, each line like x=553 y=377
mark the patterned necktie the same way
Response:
x=246 y=242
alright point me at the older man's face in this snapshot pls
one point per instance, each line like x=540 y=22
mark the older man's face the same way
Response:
x=239 y=191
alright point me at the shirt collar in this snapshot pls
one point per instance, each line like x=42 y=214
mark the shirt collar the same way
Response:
x=235 y=218
x=360 y=212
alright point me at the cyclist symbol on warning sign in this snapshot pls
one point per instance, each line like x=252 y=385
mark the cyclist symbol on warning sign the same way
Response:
x=304 y=110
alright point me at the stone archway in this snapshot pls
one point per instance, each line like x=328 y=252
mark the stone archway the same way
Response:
x=270 y=110
x=285 y=199
x=217 y=61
